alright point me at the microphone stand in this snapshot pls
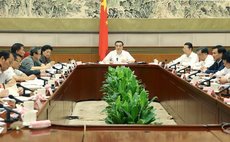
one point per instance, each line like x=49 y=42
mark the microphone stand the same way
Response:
x=225 y=88
x=190 y=76
x=45 y=81
x=51 y=74
x=208 y=81
x=57 y=70
x=183 y=69
x=17 y=100
x=8 y=118
x=173 y=66
x=163 y=63
x=61 y=64
x=24 y=90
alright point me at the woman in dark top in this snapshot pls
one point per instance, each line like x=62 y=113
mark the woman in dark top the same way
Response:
x=46 y=53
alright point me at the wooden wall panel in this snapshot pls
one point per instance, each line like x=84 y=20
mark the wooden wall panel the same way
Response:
x=150 y=57
x=78 y=57
x=94 y=57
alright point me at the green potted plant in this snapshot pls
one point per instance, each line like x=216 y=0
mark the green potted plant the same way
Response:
x=127 y=99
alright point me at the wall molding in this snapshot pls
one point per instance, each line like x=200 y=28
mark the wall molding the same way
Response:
x=77 y=25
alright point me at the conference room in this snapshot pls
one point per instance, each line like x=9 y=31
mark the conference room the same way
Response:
x=113 y=72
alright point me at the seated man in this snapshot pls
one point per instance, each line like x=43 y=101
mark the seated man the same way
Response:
x=189 y=58
x=16 y=74
x=224 y=74
x=5 y=80
x=5 y=62
x=46 y=53
x=217 y=53
x=18 y=48
x=118 y=56
x=205 y=60
x=31 y=64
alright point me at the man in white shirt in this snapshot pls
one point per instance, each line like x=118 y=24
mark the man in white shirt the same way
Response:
x=189 y=58
x=16 y=74
x=6 y=59
x=205 y=60
x=118 y=56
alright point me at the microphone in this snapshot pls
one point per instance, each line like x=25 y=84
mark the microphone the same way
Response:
x=16 y=99
x=53 y=88
x=49 y=73
x=24 y=89
x=223 y=89
x=8 y=110
x=163 y=63
x=190 y=76
x=57 y=68
x=45 y=80
x=61 y=64
x=208 y=81
x=183 y=69
x=174 y=65
x=72 y=61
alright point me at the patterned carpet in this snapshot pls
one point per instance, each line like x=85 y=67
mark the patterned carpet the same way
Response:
x=91 y=113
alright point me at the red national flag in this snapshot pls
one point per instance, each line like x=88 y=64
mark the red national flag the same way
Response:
x=103 y=33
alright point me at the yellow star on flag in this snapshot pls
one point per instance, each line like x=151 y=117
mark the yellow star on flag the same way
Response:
x=104 y=4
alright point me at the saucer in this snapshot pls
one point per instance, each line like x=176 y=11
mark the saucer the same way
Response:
x=40 y=127
x=25 y=123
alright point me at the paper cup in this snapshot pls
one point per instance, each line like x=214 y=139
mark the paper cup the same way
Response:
x=29 y=105
x=29 y=116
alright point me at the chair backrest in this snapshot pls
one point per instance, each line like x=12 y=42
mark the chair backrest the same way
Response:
x=26 y=54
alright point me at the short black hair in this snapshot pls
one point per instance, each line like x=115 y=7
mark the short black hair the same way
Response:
x=226 y=56
x=34 y=50
x=46 y=47
x=5 y=54
x=203 y=50
x=15 y=47
x=189 y=44
x=220 y=49
x=119 y=41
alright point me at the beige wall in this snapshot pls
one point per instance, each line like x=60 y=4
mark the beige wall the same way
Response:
x=130 y=39
x=143 y=46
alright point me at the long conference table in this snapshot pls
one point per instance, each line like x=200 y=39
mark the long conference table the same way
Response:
x=199 y=116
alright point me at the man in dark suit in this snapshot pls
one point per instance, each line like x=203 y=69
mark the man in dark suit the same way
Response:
x=217 y=53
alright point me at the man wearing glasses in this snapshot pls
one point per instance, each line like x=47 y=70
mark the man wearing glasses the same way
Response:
x=31 y=64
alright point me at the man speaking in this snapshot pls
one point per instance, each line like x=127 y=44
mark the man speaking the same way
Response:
x=118 y=56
